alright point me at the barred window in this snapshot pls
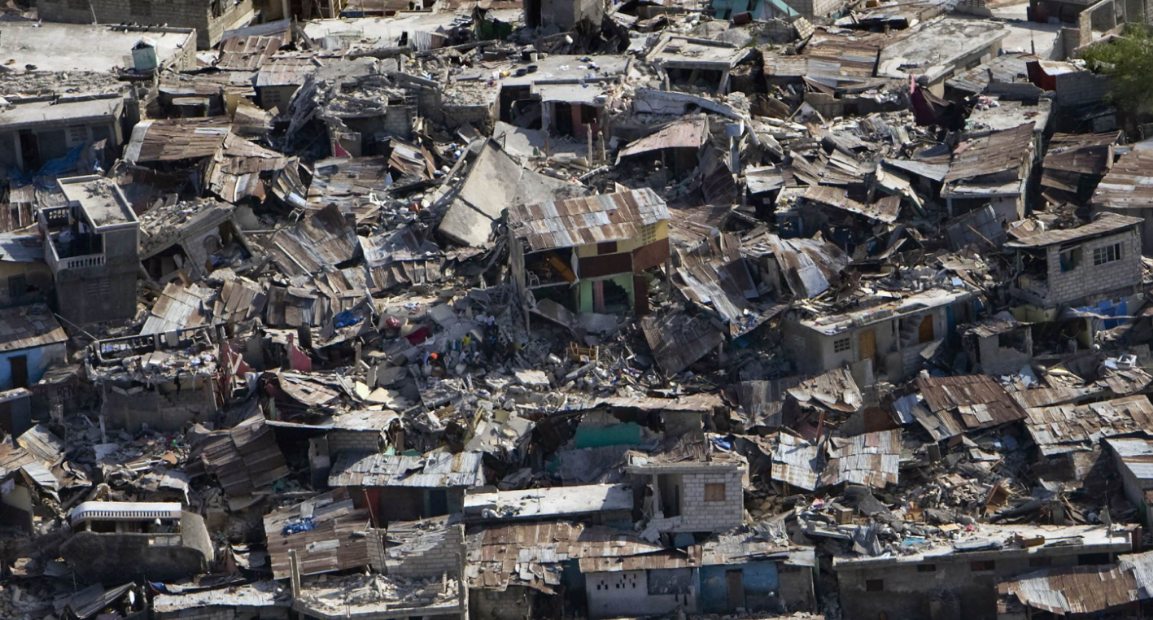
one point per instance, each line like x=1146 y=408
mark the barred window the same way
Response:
x=842 y=345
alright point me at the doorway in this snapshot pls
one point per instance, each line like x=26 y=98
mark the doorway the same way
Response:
x=925 y=330
x=19 y=365
x=868 y=344
x=736 y=590
x=29 y=151
x=562 y=118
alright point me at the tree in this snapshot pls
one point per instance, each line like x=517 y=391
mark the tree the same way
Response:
x=1128 y=61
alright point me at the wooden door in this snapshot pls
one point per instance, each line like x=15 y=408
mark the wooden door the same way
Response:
x=736 y=590
x=868 y=344
x=926 y=330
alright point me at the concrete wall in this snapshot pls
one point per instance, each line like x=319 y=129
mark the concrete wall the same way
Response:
x=37 y=359
x=759 y=588
x=814 y=352
x=36 y=275
x=1080 y=88
x=1145 y=227
x=810 y=9
x=277 y=96
x=174 y=13
x=224 y=613
x=159 y=406
x=564 y=14
x=952 y=591
x=796 y=588
x=998 y=360
x=114 y=558
x=438 y=553
x=55 y=140
x=104 y=292
x=626 y=594
x=515 y=603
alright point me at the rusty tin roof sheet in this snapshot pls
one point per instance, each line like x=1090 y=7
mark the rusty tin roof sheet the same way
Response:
x=436 y=470
x=978 y=400
x=1106 y=224
x=1129 y=184
x=1070 y=428
x=590 y=219
x=871 y=459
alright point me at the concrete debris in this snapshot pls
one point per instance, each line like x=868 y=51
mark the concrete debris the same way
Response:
x=566 y=308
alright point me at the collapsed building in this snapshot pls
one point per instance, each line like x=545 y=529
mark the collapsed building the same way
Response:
x=560 y=308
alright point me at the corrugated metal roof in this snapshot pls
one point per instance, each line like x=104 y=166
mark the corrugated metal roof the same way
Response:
x=1136 y=453
x=679 y=340
x=742 y=546
x=339 y=540
x=691 y=558
x=42 y=443
x=245 y=459
x=28 y=327
x=683 y=134
x=764 y=401
x=1105 y=224
x=796 y=461
x=286 y=71
x=91 y=600
x=590 y=219
x=1081 y=153
x=1074 y=589
x=179 y=307
x=434 y=470
x=871 y=459
x=176 y=139
x=884 y=210
x=530 y=554
x=978 y=400
x=249 y=53
x=996 y=152
x=551 y=502
x=1069 y=428
x=318 y=242
x=1129 y=184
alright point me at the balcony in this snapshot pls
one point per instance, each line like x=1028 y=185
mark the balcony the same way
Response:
x=70 y=244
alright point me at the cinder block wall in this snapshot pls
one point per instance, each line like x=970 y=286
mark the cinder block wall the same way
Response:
x=353 y=441
x=1088 y=279
x=698 y=515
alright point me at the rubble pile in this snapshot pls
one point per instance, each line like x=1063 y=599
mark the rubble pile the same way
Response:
x=718 y=309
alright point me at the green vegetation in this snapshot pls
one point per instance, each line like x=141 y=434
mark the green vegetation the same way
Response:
x=1128 y=60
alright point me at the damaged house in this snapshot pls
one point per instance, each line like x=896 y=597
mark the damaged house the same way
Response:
x=91 y=245
x=1097 y=264
x=152 y=540
x=887 y=340
x=401 y=487
x=992 y=169
x=589 y=254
